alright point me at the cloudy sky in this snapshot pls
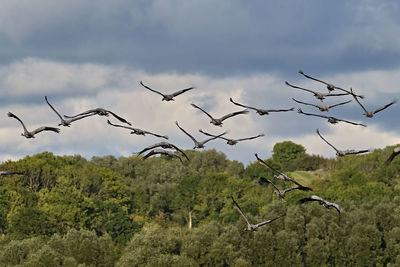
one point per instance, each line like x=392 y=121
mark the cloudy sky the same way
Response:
x=89 y=54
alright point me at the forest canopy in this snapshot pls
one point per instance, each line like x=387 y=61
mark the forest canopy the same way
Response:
x=108 y=211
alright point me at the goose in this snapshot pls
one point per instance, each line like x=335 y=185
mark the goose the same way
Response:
x=218 y=122
x=198 y=144
x=341 y=153
x=100 y=112
x=31 y=134
x=370 y=114
x=252 y=227
x=281 y=193
x=320 y=96
x=396 y=151
x=330 y=86
x=322 y=201
x=281 y=175
x=331 y=120
x=137 y=131
x=322 y=107
x=169 y=97
x=261 y=112
x=162 y=152
x=232 y=141
x=65 y=122
x=4 y=173
x=164 y=145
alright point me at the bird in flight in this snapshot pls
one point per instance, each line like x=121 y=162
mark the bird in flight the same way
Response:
x=320 y=96
x=330 y=86
x=322 y=107
x=31 y=134
x=162 y=152
x=100 y=112
x=137 y=131
x=232 y=141
x=321 y=201
x=250 y=226
x=198 y=144
x=168 y=97
x=342 y=153
x=261 y=111
x=65 y=122
x=331 y=120
x=281 y=193
x=281 y=175
x=218 y=122
x=396 y=151
x=370 y=114
x=164 y=145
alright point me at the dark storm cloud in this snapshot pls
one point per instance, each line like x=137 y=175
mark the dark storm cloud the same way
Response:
x=209 y=37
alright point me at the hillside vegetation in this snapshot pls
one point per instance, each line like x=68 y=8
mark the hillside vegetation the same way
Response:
x=107 y=211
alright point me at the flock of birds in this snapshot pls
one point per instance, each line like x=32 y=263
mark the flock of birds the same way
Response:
x=171 y=150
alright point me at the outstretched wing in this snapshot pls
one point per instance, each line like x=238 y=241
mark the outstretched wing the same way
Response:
x=90 y=111
x=301 y=88
x=182 y=91
x=215 y=137
x=311 y=114
x=191 y=137
x=356 y=98
x=250 y=138
x=233 y=114
x=268 y=221
x=11 y=115
x=385 y=106
x=121 y=126
x=241 y=105
x=58 y=114
x=263 y=181
x=327 y=141
x=119 y=118
x=212 y=135
x=4 y=173
x=240 y=211
x=338 y=104
x=312 y=198
x=45 y=128
x=396 y=151
x=145 y=86
x=154 y=134
x=351 y=122
x=303 y=188
x=304 y=103
x=195 y=106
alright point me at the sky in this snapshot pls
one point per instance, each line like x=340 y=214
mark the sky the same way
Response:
x=89 y=54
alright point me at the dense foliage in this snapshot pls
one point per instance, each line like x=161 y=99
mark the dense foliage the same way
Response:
x=107 y=211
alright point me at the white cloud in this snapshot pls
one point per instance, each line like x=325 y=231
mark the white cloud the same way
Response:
x=117 y=88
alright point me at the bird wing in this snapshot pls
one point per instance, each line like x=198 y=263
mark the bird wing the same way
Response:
x=58 y=114
x=354 y=123
x=303 y=188
x=300 y=102
x=311 y=114
x=339 y=94
x=356 y=98
x=215 y=137
x=338 y=104
x=241 y=105
x=154 y=134
x=334 y=205
x=9 y=172
x=301 y=88
x=191 y=137
x=240 y=211
x=90 y=111
x=181 y=91
x=212 y=135
x=279 y=110
x=263 y=180
x=78 y=118
x=267 y=222
x=393 y=155
x=45 y=128
x=119 y=118
x=250 y=138
x=312 y=78
x=193 y=105
x=121 y=126
x=327 y=141
x=149 y=147
x=353 y=152
x=385 y=106
x=145 y=86
x=268 y=166
x=233 y=114
x=11 y=115
x=311 y=198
